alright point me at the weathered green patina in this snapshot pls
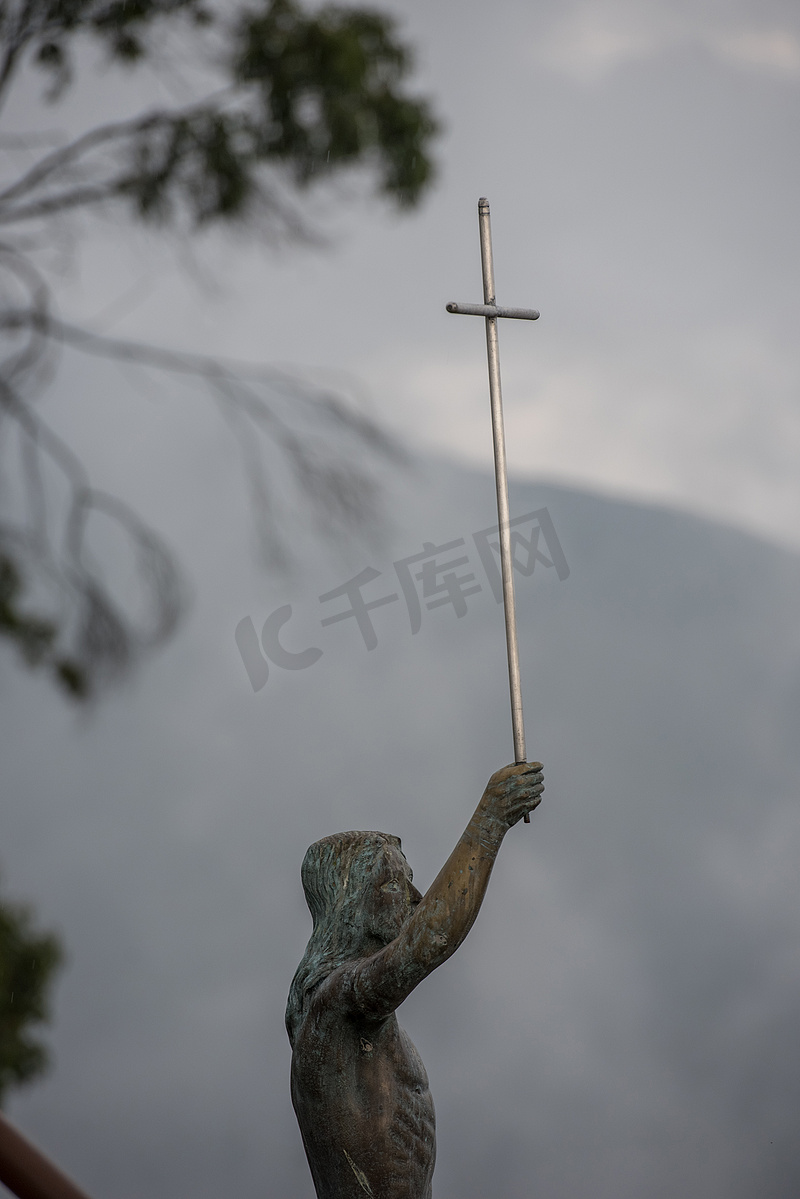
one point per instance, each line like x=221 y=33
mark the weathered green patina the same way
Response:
x=359 y=1088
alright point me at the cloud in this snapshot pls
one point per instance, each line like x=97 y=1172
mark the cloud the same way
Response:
x=592 y=40
x=776 y=51
x=706 y=418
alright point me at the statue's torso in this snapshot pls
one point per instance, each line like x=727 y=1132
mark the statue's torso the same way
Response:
x=364 y=1107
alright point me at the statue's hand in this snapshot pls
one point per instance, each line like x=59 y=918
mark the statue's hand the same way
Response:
x=512 y=792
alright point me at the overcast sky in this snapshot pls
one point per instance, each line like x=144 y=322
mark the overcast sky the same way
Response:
x=632 y=993
x=641 y=160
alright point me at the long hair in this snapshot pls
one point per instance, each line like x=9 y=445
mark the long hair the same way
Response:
x=335 y=874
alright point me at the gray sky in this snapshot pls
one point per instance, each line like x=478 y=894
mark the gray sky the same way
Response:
x=641 y=159
x=631 y=989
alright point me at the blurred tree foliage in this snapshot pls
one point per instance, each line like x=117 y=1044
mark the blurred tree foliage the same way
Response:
x=29 y=960
x=289 y=98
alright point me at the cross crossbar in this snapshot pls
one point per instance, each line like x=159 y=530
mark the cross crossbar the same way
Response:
x=491 y=311
x=521 y=314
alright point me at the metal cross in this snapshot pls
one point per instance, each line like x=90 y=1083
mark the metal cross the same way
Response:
x=491 y=311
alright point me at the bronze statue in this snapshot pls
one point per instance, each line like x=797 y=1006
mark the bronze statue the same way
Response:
x=359 y=1088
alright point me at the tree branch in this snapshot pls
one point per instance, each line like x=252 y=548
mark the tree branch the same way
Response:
x=66 y=156
x=17 y=40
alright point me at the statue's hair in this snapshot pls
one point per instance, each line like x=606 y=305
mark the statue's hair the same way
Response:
x=335 y=875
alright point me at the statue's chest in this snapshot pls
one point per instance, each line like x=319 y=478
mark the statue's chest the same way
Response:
x=392 y=1052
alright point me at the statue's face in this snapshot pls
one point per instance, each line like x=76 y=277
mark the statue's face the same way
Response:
x=391 y=896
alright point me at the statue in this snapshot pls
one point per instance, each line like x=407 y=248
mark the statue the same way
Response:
x=359 y=1088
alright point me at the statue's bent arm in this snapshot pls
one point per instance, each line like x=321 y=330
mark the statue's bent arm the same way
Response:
x=377 y=985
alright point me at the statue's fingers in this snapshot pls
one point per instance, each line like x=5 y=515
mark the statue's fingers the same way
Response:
x=525 y=769
x=527 y=781
x=522 y=809
x=527 y=795
x=532 y=780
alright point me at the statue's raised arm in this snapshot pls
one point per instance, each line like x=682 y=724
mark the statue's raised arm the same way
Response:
x=358 y=1086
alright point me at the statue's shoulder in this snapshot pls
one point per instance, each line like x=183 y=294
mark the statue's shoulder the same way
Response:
x=334 y=988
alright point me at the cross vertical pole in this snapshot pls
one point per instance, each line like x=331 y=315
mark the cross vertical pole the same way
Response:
x=501 y=482
x=490 y=310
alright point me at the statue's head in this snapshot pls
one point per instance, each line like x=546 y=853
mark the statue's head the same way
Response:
x=360 y=893
x=360 y=882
